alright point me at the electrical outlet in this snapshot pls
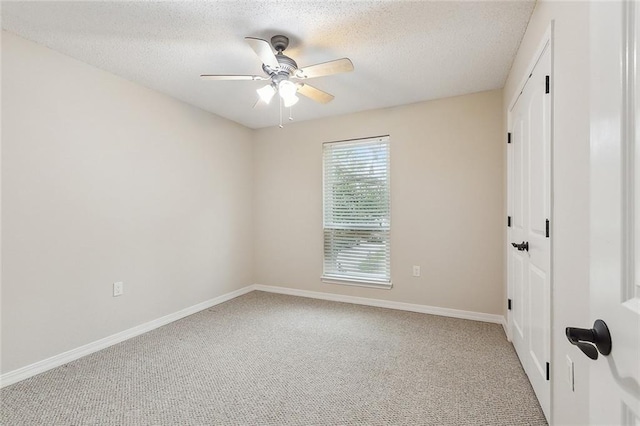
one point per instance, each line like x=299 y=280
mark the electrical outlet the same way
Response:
x=570 y=374
x=118 y=288
x=416 y=271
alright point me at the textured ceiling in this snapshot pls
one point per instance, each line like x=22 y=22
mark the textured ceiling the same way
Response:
x=402 y=51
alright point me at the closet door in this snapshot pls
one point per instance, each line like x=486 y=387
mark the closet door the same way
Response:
x=529 y=233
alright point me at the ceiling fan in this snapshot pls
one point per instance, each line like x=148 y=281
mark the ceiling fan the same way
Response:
x=280 y=70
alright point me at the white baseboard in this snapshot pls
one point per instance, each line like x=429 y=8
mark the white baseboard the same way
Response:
x=65 y=357
x=505 y=325
x=424 y=309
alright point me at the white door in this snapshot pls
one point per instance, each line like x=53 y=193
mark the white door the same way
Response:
x=529 y=207
x=615 y=210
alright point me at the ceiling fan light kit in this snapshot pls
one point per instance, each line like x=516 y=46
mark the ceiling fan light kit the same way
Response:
x=280 y=69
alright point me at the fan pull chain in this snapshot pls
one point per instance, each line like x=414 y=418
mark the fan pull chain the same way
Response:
x=291 y=113
x=281 y=126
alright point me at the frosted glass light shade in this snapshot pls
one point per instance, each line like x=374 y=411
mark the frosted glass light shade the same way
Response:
x=287 y=89
x=266 y=93
x=290 y=101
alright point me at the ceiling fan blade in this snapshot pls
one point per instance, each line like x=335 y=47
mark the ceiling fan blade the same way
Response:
x=314 y=94
x=263 y=50
x=231 y=77
x=326 y=68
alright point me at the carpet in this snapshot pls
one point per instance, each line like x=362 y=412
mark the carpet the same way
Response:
x=270 y=359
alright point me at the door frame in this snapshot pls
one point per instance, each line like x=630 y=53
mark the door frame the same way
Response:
x=547 y=40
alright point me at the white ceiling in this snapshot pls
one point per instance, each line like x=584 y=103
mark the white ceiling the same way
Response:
x=402 y=51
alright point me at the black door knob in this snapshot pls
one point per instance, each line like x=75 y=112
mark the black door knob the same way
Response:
x=522 y=246
x=585 y=338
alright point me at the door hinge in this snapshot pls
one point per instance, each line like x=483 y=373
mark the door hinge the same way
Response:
x=509 y=304
x=546 y=229
x=509 y=221
x=546 y=84
x=509 y=137
x=548 y=371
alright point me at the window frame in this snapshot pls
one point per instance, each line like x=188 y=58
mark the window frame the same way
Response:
x=329 y=278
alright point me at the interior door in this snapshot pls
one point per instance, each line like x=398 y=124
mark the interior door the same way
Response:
x=529 y=203
x=615 y=210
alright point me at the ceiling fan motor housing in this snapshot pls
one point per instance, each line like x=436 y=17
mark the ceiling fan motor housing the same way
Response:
x=286 y=63
x=286 y=66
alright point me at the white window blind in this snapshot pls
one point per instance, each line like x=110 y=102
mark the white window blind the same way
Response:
x=357 y=211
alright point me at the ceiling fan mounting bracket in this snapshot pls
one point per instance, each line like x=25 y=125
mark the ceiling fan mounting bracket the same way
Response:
x=279 y=42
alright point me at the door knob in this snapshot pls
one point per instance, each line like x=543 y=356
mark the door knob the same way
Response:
x=585 y=338
x=522 y=246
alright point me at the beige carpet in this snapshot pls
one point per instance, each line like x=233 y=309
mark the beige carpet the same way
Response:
x=267 y=359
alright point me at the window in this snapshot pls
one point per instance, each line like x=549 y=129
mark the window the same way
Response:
x=357 y=211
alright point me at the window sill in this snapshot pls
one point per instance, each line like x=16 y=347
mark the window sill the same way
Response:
x=356 y=282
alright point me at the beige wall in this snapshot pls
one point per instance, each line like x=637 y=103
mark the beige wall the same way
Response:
x=570 y=226
x=447 y=197
x=104 y=180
